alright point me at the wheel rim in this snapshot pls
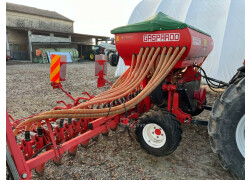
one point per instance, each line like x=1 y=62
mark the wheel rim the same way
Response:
x=240 y=136
x=154 y=135
x=91 y=56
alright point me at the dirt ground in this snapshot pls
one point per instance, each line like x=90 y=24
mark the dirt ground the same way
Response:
x=116 y=156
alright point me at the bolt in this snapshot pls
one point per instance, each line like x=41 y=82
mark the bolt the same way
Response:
x=24 y=175
x=161 y=134
x=157 y=136
x=148 y=140
x=186 y=121
x=56 y=148
x=154 y=127
x=152 y=132
x=58 y=156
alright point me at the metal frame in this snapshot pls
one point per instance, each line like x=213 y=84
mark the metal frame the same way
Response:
x=59 y=139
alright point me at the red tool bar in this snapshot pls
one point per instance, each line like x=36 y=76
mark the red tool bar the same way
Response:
x=43 y=158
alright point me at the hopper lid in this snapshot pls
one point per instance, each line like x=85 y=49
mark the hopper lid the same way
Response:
x=158 y=22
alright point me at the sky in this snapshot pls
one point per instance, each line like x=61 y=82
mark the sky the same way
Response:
x=95 y=17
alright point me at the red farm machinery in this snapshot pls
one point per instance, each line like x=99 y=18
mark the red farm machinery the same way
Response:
x=159 y=91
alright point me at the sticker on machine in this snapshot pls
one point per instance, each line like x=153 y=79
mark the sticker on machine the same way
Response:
x=163 y=37
x=196 y=41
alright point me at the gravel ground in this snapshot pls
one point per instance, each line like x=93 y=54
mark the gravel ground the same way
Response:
x=116 y=156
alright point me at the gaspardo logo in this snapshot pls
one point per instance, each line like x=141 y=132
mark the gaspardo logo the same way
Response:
x=163 y=37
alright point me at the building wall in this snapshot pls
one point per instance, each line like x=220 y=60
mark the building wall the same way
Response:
x=18 y=43
x=41 y=38
x=17 y=36
x=21 y=20
x=82 y=40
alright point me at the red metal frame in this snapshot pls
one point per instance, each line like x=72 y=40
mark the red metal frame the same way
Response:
x=68 y=136
x=69 y=143
x=75 y=101
x=101 y=80
x=21 y=164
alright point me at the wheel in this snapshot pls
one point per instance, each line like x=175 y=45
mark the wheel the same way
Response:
x=92 y=56
x=112 y=59
x=158 y=132
x=9 y=175
x=226 y=129
x=109 y=56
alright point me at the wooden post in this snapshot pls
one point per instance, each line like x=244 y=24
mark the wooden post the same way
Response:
x=96 y=41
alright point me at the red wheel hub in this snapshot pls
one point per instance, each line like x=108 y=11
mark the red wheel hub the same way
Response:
x=158 y=132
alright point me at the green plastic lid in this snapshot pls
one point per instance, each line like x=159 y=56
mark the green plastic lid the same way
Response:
x=159 y=21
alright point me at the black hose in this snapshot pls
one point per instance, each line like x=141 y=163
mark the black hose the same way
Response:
x=210 y=81
x=40 y=150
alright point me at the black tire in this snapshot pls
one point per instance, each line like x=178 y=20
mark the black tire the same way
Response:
x=112 y=59
x=9 y=175
x=168 y=124
x=109 y=56
x=226 y=114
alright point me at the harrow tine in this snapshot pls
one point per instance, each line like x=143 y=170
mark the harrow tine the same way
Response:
x=40 y=170
x=85 y=144
x=113 y=129
x=57 y=162
x=96 y=138
x=105 y=133
x=73 y=151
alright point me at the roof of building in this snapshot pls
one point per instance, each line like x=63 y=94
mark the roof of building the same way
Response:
x=60 y=33
x=35 y=11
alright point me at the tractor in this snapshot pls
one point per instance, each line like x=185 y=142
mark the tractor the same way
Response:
x=226 y=126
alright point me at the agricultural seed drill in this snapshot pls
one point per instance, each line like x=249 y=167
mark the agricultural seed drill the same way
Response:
x=160 y=90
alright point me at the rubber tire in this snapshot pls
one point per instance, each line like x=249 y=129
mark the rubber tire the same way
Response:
x=112 y=59
x=9 y=175
x=226 y=114
x=168 y=123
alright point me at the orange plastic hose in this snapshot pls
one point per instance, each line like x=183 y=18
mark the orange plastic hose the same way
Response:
x=160 y=73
